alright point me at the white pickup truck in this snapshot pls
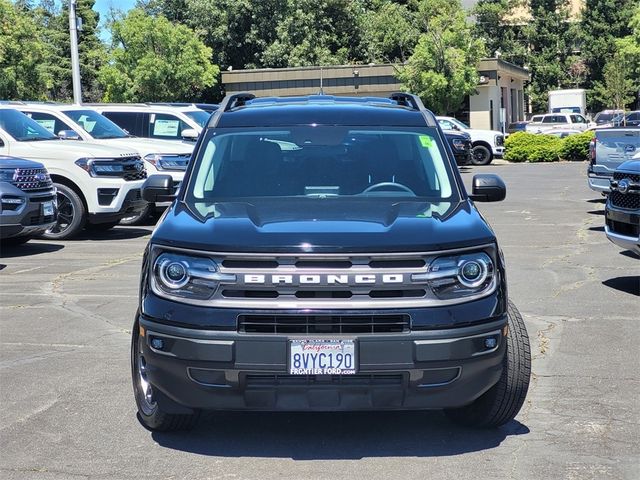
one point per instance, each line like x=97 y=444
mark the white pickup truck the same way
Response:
x=549 y=121
x=96 y=185
x=485 y=144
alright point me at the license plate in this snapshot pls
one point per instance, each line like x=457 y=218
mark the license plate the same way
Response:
x=47 y=209
x=322 y=357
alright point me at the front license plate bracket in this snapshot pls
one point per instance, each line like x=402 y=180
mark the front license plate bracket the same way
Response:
x=316 y=356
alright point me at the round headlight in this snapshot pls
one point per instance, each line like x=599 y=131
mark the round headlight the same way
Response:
x=472 y=273
x=174 y=274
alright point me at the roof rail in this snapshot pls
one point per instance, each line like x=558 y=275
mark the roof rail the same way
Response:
x=408 y=100
x=227 y=103
x=413 y=101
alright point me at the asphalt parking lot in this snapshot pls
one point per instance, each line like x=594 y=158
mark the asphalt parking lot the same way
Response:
x=66 y=311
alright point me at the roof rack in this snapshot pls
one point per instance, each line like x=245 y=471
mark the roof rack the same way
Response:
x=413 y=101
x=227 y=103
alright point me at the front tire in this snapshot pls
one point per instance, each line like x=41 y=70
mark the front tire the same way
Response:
x=72 y=215
x=149 y=411
x=502 y=402
x=481 y=155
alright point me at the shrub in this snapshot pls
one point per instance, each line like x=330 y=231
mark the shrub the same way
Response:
x=530 y=147
x=576 y=147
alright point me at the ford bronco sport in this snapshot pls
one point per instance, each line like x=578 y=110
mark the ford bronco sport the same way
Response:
x=324 y=255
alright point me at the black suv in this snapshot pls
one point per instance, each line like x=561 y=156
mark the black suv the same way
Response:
x=323 y=254
x=27 y=200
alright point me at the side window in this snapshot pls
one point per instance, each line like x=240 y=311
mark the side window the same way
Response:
x=634 y=116
x=548 y=119
x=125 y=120
x=164 y=125
x=48 y=121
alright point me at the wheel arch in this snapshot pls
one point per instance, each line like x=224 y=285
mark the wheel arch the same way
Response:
x=73 y=186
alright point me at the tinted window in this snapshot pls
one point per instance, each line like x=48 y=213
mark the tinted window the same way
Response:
x=48 y=121
x=634 y=116
x=23 y=128
x=326 y=161
x=125 y=120
x=199 y=116
x=95 y=124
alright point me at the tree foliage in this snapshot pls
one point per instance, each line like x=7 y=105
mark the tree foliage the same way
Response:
x=23 y=72
x=616 y=89
x=154 y=60
x=443 y=67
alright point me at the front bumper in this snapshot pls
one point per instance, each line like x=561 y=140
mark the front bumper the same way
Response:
x=498 y=151
x=623 y=228
x=28 y=220
x=130 y=204
x=227 y=370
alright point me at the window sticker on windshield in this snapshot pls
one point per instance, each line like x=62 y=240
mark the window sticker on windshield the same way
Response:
x=166 y=128
x=48 y=124
x=426 y=141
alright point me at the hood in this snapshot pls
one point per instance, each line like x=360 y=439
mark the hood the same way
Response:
x=486 y=132
x=13 y=162
x=145 y=146
x=323 y=225
x=47 y=149
x=632 y=165
x=457 y=134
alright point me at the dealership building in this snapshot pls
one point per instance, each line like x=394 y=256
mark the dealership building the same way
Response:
x=499 y=97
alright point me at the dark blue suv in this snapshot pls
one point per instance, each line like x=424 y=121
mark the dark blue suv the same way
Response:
x=323 y=255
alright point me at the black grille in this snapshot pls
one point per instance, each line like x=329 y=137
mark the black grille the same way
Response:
x=32 y=179
x=629 y=201
x=622 y=228
x=284 y=380
x=132 y=173
x=290 y=324
x=40 y=219
x=631 y=176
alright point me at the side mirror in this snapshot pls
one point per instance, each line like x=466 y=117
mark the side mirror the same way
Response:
x=68 y=135
x=487 y=187
x=190 y=134
x=158 y=188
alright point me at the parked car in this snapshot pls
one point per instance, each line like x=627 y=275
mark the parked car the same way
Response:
x=630 y=119
x=487 y=144
x=164 y=122
x=81 y=123
x=622 y=211
x=561 y=132
x=517 y=127
x=95 y=185
x=349 y=270
x=27 y=200
x=610 y=148
x=460 y=143
x=606 y=116
x=573 y=121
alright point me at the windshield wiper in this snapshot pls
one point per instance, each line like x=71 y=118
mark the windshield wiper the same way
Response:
x=36 y=139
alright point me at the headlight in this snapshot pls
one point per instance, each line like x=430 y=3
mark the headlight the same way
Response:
x=186 y=276
x=7 y=174
x=459 y=276
x=107 y=167
x=168 y=162
x=458 y=144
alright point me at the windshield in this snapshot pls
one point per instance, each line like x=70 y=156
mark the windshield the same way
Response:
x=459 y=123
x=96 y=125
x=199 y=116
x=321 y=162
x=23 y=128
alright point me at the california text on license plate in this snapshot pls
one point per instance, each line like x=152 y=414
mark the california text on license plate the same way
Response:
x=322 y=357
x=47 y=209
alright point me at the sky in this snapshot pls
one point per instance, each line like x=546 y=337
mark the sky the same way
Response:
x=103 y=7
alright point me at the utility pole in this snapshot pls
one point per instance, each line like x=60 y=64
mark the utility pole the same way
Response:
x=75 y=61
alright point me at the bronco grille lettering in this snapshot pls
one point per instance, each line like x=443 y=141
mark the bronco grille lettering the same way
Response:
x=323 y=279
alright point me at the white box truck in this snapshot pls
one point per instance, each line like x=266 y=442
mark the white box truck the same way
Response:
x=568 y=101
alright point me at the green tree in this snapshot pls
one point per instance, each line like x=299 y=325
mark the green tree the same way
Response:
x=617 y=89
x=443 y=67
x=317 y=32
x=238 y=31
x=501 y=31
x=629 y=49
x=390 y=32
x=152 y=59
x=23 y=73
x=602 y=23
